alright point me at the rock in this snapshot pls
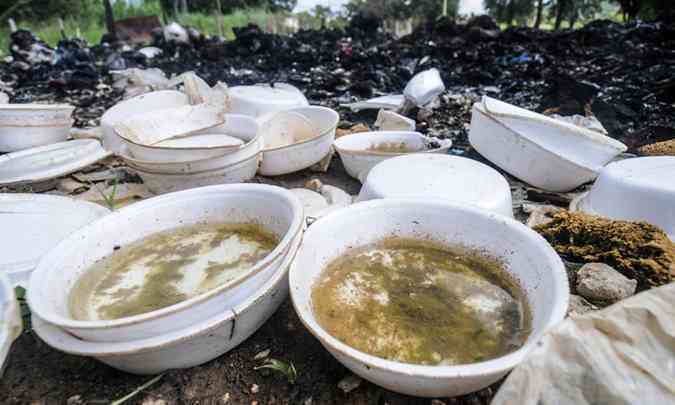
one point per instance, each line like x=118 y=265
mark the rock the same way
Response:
x=255 y=389
x=350 y=383
x=579 y=306
x=539 y=214
x=600 y=282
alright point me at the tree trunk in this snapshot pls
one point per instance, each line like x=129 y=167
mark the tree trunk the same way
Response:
x=561 y=5
x=540 y=11
x=510 y=11
x=109 y=17
x=573 y=16
x=184 y=6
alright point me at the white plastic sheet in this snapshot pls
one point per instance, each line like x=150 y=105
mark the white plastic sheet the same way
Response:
x=623 y=354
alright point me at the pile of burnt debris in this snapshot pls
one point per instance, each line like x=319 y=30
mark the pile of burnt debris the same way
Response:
x=622 y=74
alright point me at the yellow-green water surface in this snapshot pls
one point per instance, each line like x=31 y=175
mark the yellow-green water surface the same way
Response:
x=419 y=302
x=168 y=267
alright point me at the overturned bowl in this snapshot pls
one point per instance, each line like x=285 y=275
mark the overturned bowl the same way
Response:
x=256 y=101
x=24 y=126
x=307 y=151
x=52 y=282
x=433 y=176
x=360 y=152
x=193 y=345
x=144 y=103
x=638 y=189
x=525 y=255
x=237 y=133
x=542 y=151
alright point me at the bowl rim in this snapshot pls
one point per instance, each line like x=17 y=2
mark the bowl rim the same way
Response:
x=38 y=306
x=59 y=337
x=496 y=365
x=329 y=129
x=241 y=162
x=31 y=107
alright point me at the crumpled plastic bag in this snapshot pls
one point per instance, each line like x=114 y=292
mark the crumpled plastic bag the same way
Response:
x=623 y=354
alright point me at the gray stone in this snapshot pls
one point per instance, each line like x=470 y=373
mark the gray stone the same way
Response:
x=349 y=383
x=579 y=306
x=601 y=283
x=539 y=214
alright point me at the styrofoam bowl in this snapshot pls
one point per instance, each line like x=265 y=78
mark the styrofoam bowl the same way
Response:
x=16 y=138
x=10 y=319
x=191 y=148
x=35 y=114
x=248 y=151
x=358 y=159
x=190 y=346
x=544 y=152
x=638 y=189
x=525 y=255
x=239 y=172
x=144 y=103
x=433 y=176
x=50 y=285
x=256 y=101
x=301 y=155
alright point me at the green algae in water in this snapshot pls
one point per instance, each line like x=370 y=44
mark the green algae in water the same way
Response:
x=419 y=302
x=168 y=267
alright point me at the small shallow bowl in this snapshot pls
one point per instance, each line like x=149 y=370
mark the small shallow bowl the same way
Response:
x=24 y=126
x=639 y=189
x=526 y=256
x=235 y=126
x=51 y=282
x=358 y=157
x=542 y=151
x=256 y=101
x=193 y=345
x=10 y=319
x=432 y=176
x=156 y=100
x=301 y=155
x=239 y=172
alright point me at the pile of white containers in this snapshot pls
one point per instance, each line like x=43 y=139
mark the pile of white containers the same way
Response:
x=24 y=126
x=190 y=332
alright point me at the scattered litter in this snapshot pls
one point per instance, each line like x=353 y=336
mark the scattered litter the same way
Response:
x=319 y=199
x=151 y=51
x=354 y=129
x=391 y=121
x=69 y=186
x=620 y=355
x=539 y=214
x=579 y=306
x=137 y=81
x=424 y=88
x=174 y=32
x=620 y=244
x=392 y=102
x=4 y=98
x=262 y=355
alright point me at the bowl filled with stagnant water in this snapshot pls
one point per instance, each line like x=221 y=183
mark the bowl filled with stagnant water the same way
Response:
x=165 y=263
x=427 y=298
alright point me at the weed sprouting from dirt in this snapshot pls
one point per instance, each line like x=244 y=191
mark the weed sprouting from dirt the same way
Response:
x=287 y=369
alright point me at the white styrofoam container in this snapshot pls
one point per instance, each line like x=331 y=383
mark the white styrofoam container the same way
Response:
x=433 y=176
x=301 y=155
x=525 y=255
x=33 y=224
x=192 y=345
x=10 y=319
x=542 y=151
x=358 y=159
x=638 y=189
x=199 y=146
x=144 y=103
x=50 y=161
x=57 y=272
x=259 y=100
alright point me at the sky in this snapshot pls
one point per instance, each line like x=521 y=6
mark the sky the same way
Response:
x=465 y=6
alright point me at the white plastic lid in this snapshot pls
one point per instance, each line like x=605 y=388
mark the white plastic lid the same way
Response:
x=202 y=141
x=268 y=95
x=434 y=176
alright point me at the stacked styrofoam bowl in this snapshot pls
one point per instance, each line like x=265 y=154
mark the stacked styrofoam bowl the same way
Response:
x=190 y=332
x=24 y=126
x=229 y=153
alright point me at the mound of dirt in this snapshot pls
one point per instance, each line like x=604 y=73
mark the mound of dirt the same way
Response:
x=639 y=250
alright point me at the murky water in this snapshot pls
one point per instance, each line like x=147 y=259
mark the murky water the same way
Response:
x=420 y=302
x=168 y=267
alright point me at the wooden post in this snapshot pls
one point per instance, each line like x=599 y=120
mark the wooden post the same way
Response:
x=445 y=8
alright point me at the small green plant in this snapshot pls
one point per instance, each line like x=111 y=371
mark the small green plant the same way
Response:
x=287 y=369
x=20 y=293
x=109 y=200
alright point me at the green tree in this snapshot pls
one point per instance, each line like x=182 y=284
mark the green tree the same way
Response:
x=401 y=9
x=508 y=11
